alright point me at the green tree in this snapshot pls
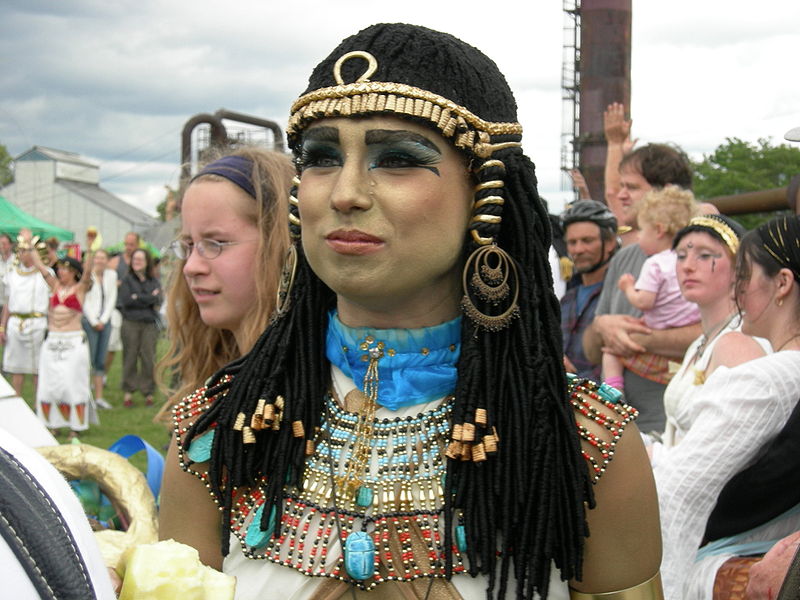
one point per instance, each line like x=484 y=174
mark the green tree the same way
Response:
x=161 y=209
x=737 y=166
x=166 y=208
x=6 y=174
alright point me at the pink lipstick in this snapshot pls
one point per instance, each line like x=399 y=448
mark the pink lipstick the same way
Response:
x=353 y=242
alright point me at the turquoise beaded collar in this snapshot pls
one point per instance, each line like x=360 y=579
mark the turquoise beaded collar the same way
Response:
x=415 y=365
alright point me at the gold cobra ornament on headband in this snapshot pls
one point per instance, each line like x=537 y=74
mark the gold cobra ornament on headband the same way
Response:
x=469 y=132
x=372 y=66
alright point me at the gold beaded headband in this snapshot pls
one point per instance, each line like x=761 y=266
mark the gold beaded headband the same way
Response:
x=721 y=228
x=366 y=97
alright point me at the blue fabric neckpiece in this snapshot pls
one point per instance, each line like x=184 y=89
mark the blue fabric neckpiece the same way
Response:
x=416 y=366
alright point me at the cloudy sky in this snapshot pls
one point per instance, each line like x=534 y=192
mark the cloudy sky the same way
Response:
x=115 y=80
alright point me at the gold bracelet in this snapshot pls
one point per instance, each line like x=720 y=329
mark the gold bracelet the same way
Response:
x=649 y=590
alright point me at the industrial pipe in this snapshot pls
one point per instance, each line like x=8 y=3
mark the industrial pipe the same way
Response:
x=761 y=201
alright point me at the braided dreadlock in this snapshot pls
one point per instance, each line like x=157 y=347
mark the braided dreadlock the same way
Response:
x=526 y=500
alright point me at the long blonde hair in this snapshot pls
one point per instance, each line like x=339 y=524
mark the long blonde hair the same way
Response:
x=196 y=351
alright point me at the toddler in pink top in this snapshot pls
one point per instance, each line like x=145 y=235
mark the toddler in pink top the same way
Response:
x=660 y=215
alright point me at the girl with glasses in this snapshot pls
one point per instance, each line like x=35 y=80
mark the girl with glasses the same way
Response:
x=232 y=242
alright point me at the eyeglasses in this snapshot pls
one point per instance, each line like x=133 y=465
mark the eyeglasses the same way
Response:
x=206 y=248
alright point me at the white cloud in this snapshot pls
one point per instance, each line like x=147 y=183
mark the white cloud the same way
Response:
x=116 y=81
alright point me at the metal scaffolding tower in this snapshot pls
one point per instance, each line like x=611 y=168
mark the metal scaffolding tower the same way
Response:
x=596 y=72
x=570 y=91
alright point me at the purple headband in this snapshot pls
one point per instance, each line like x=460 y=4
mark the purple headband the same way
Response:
x=236 y=169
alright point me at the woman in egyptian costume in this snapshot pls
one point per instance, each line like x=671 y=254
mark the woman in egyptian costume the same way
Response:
x=404 y=427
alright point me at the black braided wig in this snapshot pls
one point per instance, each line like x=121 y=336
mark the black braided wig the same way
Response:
x=524 y=506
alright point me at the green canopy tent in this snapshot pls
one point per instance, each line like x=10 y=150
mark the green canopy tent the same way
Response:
x=13 y=218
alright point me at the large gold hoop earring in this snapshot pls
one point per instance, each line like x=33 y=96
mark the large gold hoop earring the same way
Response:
x=282 y=301
x=490 y=277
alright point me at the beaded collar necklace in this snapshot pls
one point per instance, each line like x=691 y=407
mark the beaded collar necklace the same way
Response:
x=372 y=482
x=398 y=367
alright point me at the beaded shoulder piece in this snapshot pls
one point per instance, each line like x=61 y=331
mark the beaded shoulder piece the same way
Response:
x=184 y=414
x=601 y=417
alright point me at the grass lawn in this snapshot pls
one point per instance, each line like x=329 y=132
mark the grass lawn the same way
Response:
x=119 y=421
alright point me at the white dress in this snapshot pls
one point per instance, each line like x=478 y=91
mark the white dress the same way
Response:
x=737 y=411
x=27 y=299
x=688 y=382
x=63 y=397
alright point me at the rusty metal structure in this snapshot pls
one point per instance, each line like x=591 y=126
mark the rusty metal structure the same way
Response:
x=597 y=35
x=785 y=198
x=220 y=135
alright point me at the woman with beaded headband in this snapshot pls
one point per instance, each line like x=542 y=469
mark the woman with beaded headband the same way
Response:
x=374 y=438
x=731 y=486
x=706 y=269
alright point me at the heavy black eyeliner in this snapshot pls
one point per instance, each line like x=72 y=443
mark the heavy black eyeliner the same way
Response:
x=399 y=137
x=315 y=145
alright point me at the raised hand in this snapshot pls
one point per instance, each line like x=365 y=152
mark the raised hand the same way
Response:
x=616 y=127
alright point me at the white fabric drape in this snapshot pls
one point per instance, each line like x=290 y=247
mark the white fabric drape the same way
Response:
x=738 y=411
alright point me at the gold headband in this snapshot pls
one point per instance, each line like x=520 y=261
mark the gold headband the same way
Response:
x=364 y=97
x=721 y=228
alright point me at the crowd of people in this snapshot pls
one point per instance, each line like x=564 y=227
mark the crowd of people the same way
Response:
x=58 y=325
x=369 y=388
x=696 y=322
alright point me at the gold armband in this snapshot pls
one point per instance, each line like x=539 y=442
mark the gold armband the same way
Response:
x=649 y=590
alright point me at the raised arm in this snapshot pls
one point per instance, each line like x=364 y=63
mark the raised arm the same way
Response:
x=93 y=243
x=86 y=278
x=617 y=131
x=28 y=245
x=579 y=183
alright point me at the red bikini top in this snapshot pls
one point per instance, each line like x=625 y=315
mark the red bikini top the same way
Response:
x=70 y=301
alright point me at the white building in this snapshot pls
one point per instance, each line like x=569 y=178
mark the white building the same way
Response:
x=63 y=188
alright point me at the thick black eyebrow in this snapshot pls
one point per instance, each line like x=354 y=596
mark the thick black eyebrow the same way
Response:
x=381 y=136
x=322 y=134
